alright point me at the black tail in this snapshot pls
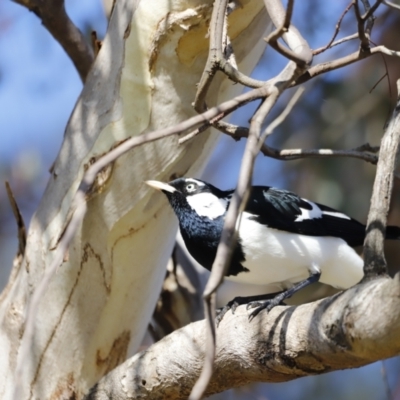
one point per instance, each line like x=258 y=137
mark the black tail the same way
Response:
x=393 y=232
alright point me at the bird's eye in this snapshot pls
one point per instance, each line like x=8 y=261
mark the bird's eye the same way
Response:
x=191 y=187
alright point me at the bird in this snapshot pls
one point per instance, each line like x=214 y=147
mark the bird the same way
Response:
x=283 y=240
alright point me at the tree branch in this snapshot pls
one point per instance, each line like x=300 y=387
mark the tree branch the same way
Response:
x=374 y=257
x=343 y=62
x=348 y=330
x=391 y=4
x=54 y=17
x=337 y=29
x=299 y=51
x=362 y=153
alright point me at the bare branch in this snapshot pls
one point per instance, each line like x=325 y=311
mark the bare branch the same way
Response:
x=391 y=4
x=214 y=55
x=337 y=29
x=365 y=22
x=374 y=257
x=299 y=51
x=369 y=15
x=360 y=153
x=56 y=20
x=344 y=61
x=217 y=60
x=337 y=43
x=282 y=116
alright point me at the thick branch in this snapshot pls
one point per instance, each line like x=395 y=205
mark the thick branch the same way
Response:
x=56 y=20
x=351 y=329
x=299 y=50
x=375 y=263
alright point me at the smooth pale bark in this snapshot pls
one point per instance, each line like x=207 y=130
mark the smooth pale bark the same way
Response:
x=348 y=330
x=97 y=307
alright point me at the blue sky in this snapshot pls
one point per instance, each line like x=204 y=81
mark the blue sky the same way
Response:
x=38 y=82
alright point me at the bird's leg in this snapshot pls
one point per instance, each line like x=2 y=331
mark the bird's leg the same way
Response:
x=271 y=303
x=238 y=301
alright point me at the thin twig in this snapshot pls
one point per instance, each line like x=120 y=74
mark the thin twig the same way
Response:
x=217 y=59
x=55 y=18
x=369 y=16
x=282 y=116
x=19 y=220
x=214 y=55
x=379 y=81
x=374 y=256
x=344 y=61
x=365 y=22
x=222 y=126
x=391 y=4
x=337 y=29
x=362 y=152
x=236 y=132
x=337 y=43
x=360 y=27
x=238 y=77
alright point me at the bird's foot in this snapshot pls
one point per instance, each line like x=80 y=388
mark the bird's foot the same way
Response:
x=232 y=305
x=238 y=301
x=266 y=305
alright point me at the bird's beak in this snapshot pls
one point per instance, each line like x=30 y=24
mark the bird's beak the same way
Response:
x=161 y=186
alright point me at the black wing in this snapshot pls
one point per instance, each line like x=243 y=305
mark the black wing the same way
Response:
x=284 y=210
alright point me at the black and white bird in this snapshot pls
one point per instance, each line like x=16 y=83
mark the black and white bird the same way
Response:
x=283 y=239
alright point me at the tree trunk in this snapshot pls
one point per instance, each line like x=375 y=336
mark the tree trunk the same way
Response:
x=96 y=309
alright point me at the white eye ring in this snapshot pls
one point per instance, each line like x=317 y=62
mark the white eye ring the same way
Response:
x=191 y=187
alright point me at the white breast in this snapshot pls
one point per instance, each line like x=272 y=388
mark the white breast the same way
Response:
x=278 y=257
x=207 y=205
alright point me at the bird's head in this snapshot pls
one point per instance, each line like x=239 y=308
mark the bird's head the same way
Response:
x=188 y=194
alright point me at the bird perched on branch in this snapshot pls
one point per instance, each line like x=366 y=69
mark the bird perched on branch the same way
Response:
x=283 y=239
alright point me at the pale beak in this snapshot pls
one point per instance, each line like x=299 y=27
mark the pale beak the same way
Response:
x=161 y=186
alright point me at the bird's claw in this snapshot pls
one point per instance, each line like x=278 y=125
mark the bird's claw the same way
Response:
x=258 y=306
x=232 y=305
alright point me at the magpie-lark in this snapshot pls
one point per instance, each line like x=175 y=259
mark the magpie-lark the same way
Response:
x=283 y=239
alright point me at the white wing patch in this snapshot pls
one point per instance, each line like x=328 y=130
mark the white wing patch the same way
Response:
x=336 y=214
x=275 y=257
x=314 y=213
x=207 y=205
